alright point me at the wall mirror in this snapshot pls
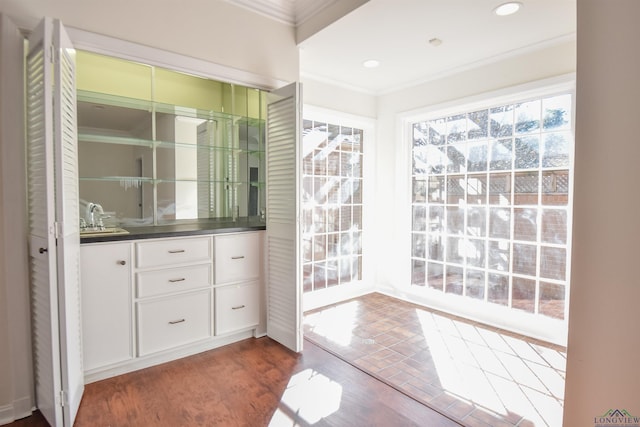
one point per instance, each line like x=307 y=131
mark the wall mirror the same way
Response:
x=158 y=146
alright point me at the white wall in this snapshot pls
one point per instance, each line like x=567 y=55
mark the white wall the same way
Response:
x=602 y=357
x=335 y=98
x=220 y=33
x=16 y=388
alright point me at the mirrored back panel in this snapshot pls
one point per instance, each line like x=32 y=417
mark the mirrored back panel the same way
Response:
x=158 y=146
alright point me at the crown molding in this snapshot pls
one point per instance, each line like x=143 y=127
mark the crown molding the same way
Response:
x=290 y=12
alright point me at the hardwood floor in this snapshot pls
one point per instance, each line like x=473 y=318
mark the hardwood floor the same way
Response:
x=255 y=382
x=476 y=374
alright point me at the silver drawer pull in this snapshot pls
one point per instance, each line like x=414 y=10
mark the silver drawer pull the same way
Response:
x=238 y=307
x=177 y=280
x=238 y=257
x=173 y=322
x=176 y=251
x=122 y=262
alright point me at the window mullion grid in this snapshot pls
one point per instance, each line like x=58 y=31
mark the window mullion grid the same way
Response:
x=316 y=235
x=426 y=234
x=350 y=182
x=486 y=213
x=465 y=215
x=446 y=232
x=512 y=203
x=539 y=217
x=453 y=204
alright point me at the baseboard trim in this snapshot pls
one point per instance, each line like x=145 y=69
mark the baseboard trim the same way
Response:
x=336 y=294
x=19 y=409
x=6 y=414
x=169 y=355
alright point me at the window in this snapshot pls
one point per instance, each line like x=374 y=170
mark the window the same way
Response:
x=490 y=204
x=332 y=205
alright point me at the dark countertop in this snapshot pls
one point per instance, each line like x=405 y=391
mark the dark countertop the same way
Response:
x=175 y=230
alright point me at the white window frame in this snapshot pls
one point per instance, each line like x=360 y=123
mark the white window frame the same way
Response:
x=540 y=327
x=332 y=295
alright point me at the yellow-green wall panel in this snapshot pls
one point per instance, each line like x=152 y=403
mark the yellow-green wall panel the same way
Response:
x=113 y=76
x=253 y=103
x=105 y=74
x=185 y=90
x=239 y=100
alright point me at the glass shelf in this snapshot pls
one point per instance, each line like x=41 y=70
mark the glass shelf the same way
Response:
x=192 y=113
x=116 y=140
x=135 y=181
x=158 y=107
x=222 y=149
x=117 y=178
x=138 y=142
x=113 y=100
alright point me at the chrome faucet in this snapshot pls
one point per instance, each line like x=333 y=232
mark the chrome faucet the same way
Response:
x=95 y=215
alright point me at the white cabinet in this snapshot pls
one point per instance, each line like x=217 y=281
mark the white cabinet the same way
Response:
x=238 y=262
x=149 y=301
x=106 y=304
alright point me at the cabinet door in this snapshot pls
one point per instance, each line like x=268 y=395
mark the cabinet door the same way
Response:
x=237 y=257
x=106 y=304
x=237 y=307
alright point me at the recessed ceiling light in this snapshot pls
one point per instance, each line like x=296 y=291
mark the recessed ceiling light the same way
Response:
x=435 y=42
x=371 y=63
x=507 y=8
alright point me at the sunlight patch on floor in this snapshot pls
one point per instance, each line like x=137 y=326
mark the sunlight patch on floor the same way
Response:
x=514 y=378
x=335 y=323
x=309 y=395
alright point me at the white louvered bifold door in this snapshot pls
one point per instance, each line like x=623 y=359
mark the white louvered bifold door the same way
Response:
x=67 y=216
x=284 y=275
x=53 y=223
x=42 y=244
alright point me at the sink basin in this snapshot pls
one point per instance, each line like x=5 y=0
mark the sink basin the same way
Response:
x=95 y=232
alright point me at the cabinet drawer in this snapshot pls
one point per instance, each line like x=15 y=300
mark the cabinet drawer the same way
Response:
x=237 y=307
x=176 y=279
x=170 y=322
x=160 y=253
x=237 y=257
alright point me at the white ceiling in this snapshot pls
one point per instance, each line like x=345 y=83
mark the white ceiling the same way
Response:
x=396 y=33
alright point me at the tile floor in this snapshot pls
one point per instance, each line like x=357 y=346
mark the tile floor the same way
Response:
x=477 y=375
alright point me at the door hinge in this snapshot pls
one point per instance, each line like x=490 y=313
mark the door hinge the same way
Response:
x=63 y=398
x=48 y=53
x=57 y=229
